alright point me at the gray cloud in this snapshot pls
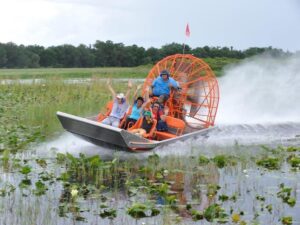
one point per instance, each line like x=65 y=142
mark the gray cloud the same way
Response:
x=240 y=24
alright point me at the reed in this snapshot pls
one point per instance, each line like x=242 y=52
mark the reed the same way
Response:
x=28 y=111
x=104 y=72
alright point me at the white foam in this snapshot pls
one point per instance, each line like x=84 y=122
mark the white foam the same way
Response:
x=262 y=89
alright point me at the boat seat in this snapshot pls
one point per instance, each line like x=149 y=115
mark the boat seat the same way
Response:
x=162 y=135
x=175 y=129
x=102 y=116
x=138 y=125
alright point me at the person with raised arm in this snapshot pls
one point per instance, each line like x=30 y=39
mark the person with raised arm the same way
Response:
x=120 y=105
x=137 y=108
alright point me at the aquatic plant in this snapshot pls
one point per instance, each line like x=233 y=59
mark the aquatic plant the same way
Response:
x=108 y=213
x=223 y=198
x=140 y=210
x=260 y=198
x=41 y=188
x=212 y=190
x=294 y=161
x=197 y=215
x=236 y=218
x=292 y=149
x=215 y=212
x=5 y=159
x=220 y=160
x=271 y=163
x=203 y=160
x=285 y=195
x=287 y=220
x=269 y=208
x=88 y=188
x=224 y=160
x=7 y=190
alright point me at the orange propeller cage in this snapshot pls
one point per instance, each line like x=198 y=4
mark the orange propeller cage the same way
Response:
x=197 y=100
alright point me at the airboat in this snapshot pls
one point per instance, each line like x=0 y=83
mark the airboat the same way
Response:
x=192 y=109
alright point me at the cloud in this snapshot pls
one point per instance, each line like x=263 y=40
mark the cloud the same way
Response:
x=152 y=23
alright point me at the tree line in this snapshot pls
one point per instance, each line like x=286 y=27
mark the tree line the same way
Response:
x=109 y=54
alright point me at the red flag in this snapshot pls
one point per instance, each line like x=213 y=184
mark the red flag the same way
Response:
x=187 y=30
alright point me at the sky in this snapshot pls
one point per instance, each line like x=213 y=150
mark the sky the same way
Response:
x=237 y=23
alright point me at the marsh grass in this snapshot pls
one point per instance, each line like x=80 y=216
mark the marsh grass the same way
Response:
x=28 y=111
x=113 y=72
x=217 y=65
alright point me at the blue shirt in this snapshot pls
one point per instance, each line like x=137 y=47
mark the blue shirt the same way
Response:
x=136 y=112
x=161 y=87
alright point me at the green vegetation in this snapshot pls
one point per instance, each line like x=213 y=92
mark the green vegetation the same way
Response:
x=215 y=212
x=285 y=195
x=109 y=54
x=94 y=73
x=294 y=161
x=217 y=65
x=28 y=112
x=170 y=190
x=271 y=163
x=287 y=220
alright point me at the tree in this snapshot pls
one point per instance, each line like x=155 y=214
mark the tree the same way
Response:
x=3 y=58
x=34 y=60
x=12 y=54
x=48 y=57
x=136 y=55
x=86 y=56
x=173 y=48
x=152 y=55
x=67 y=56
x=103 y=53
x=114 y=54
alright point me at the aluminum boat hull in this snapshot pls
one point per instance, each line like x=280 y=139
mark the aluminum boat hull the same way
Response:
x=115 y=138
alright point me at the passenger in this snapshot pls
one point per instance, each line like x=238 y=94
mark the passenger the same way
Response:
x=146 y=125
x=137 y=108
x=135 y=113
x=120 y=105
x=162 y=85
x=159 y=113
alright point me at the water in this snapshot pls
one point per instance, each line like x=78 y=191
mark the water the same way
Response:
x=223 y=137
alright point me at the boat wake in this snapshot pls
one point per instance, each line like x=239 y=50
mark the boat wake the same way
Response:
x=222 y=139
